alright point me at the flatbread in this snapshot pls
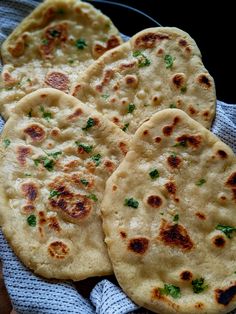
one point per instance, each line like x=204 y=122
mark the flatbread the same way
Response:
x=169 y=218
x=56 y=155
x=157 y=69
x=52 y=47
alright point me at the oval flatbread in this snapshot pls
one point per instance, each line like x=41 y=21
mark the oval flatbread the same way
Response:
x=56 y=155
x=52 y=47
x=169 y=218
x=157 y=69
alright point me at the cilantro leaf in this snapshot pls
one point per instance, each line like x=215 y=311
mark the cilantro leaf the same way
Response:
x=31 y=220
x=80 y=43
x=84 y=182
x=54 y=193
x=96 y=159
x=183 y=89
x=90 y=123
x=200 y=182
x=86 y=148
x=154 y=174
x=143 y=61
x=181 y=144
x=171 y=290
x=54 y=155
x=172 y=106
x=198 y=285
x=46 y=162
x=45 y=114
x=30 y=113
x=131 y=202
x=169 y=60
x=131 y=107
x=227 y=230
x=105 y=96
x=125 y=127
x=92 y=197
x=176 y=218
x=6 y=142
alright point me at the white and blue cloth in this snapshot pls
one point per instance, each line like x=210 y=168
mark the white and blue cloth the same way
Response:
x=34 y=295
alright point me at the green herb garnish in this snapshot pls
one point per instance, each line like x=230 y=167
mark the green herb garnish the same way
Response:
x=86 y=148
x=31 y=220
x=84 y=182
x=105 y=96
x=80 y=43
x=131 y=108
x=61 y=11
x=154 y=174
x=44 y=41
x=54 y=155
x=171 y=290
x=96 y=159
x=200 y=182
x=92 y=197
x=173 y=154
x=183 y=89
x=176 y=218
x=227 y=230
x=131 y=202
x=27 y=175
x=90 y=123
x=6 y=142
x=46 y=115
x=54 y=33
x=172 y=106
x=169 y=60
x=53 y=193
x=125 y=127
x=198 y=285
x=70 y=61
x=46 y=162
x=143 y=61
x=181 y=144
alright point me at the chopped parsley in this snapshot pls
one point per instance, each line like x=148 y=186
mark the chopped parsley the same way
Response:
x=54 y=193
x=172 y=106
x=169 y=60
x=125 y=127
x=143 y=61
x=227 y=230
x=176 y=218
x=105 y=96
x=200 y=182
x=131 y=202
x=154 y=174
x=84 y=182
x=70 y=61
x=6 y=142
x=86 y=148
x=90 y=123
x=92 y=197
x=80 y=43
x=45 y=114
x=181 y=144
x=173 y=154
x=171 y=290
x=54 y=155
x=198 y=285
x=27 y=175
x=31 y=220
x=183 y=89
x=131 y=108
x=96 y=159
x=46 y=162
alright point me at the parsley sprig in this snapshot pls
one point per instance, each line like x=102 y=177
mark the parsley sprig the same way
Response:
x=198 y=285
x=171 y=290
x=227 y=230
x=131 y=202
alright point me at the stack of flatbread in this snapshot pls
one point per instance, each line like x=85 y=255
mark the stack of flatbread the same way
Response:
x=126 y=154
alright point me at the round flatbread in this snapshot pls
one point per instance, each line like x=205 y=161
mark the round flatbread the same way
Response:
x=52 y=47
x=169 y=218
x=157 y=69
x=56 y=155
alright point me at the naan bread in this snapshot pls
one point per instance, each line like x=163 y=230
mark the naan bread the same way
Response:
x=56 y=155
x=169 y=218
x=157 y=69
x=52 y=47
